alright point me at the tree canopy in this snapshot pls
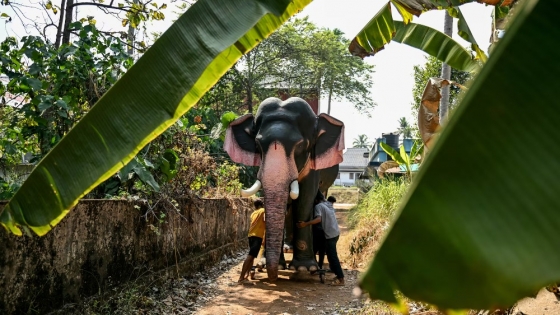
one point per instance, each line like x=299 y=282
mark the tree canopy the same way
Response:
x=304 y=60
x=361 y=142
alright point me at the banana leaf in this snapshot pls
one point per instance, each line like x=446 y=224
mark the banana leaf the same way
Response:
x=169 y=79
x=437 y=44
x=466 y=33
x=416 y=7
x=479 y=227
x=381 y=29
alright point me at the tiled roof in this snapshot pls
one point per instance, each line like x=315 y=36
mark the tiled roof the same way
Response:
x=354 y=159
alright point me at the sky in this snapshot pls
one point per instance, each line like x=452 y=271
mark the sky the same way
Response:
x=393 y=78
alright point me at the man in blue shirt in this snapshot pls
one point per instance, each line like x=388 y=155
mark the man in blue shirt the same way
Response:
x=324 y=214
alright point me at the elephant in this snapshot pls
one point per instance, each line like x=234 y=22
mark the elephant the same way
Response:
x=293 y=147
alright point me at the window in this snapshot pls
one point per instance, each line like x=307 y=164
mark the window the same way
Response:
x=338 y=176
x=351 y=175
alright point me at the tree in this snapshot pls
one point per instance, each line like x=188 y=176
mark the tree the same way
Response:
x=305 y=61
x=361 y=142
x=404 y=128
x=59 y=15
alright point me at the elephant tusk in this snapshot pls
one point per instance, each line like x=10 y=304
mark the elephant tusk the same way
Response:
x=294 y=189
x=251 y=191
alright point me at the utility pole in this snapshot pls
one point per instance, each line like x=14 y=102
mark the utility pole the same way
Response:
x=445 y=73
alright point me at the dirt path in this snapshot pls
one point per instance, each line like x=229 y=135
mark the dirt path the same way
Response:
x=293 y=293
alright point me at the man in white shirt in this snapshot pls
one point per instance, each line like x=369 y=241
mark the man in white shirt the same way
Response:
x=324 y=214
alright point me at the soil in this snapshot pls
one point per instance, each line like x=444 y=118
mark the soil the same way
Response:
x=293 y=293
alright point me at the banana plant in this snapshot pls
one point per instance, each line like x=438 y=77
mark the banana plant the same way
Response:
x=184 y=63
x=478 y=227
x=403 y=158
x=382 y=29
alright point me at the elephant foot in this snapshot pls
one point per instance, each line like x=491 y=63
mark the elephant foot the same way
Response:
x=304 y=265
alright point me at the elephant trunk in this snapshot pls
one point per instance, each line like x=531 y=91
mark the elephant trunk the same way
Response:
x=277 y=174
x=275 y=207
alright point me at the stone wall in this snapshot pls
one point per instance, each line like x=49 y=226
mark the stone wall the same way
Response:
x=102 y=243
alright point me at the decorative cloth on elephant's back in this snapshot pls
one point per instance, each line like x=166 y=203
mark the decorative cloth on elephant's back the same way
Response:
x=257 y=223
x=328 y=219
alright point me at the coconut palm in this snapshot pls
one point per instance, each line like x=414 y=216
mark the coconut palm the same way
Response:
x=361 y=142
x=404 y=128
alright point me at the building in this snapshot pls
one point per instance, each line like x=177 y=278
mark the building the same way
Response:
x=351 y=167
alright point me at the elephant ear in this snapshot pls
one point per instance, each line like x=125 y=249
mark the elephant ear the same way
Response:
x=329 y=143
x=240 y=141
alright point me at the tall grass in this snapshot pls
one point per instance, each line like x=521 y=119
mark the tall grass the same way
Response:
x=380 y=203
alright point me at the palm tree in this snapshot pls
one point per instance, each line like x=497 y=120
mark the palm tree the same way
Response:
x=404 y=128
x=361 y=142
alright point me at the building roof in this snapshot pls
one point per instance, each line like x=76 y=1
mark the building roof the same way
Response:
x=354 y=159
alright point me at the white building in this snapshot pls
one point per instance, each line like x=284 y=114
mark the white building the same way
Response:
x=351 y=167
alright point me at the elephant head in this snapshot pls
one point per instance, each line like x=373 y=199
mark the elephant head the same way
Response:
x=288 y=141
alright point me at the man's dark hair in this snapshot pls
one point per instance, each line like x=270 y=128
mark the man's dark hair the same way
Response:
x=331 y=199
x=258 y=204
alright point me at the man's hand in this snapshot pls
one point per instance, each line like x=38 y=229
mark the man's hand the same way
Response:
x=301 y=224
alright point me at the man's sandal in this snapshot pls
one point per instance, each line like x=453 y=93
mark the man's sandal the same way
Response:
x=337 y=282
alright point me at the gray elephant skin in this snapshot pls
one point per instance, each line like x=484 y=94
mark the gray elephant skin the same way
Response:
x=294 y=149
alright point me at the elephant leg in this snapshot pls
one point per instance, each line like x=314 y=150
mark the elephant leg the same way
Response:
x=302 y=209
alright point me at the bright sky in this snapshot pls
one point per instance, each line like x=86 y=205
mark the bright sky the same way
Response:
x=393 y=78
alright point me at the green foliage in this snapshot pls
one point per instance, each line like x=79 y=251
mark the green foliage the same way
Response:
x=380 y=203
x=381 y=29
x=404 y=128
x=50 y=89
x=479 y=227
x=301 y=59
x=141 y=105
x=403 y=158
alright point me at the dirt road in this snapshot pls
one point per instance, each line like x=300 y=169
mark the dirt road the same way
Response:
x=293 y=293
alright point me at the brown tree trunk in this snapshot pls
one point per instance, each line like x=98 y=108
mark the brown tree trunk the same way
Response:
x=67 y=22
x=60 y=29
x=445 y=73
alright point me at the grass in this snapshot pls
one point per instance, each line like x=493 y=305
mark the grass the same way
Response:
x=369 y=220
x=345 y=194
x=380 y=203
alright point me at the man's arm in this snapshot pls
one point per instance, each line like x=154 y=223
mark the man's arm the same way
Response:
x=302 y=224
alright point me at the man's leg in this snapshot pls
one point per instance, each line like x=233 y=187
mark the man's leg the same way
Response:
x=246 y=266
x=322 y=251
x=332 y=256
x=254 y=247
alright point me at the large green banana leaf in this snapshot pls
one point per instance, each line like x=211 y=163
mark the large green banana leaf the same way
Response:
x=479 y=227
x=169 y=79
x=435 y=43
x=465 y=32
x=381 y=29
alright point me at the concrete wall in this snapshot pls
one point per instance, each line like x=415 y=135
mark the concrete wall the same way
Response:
x=344 y=178
x=102 y=243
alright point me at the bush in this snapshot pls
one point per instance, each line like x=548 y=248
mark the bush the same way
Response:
x=380 y=203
